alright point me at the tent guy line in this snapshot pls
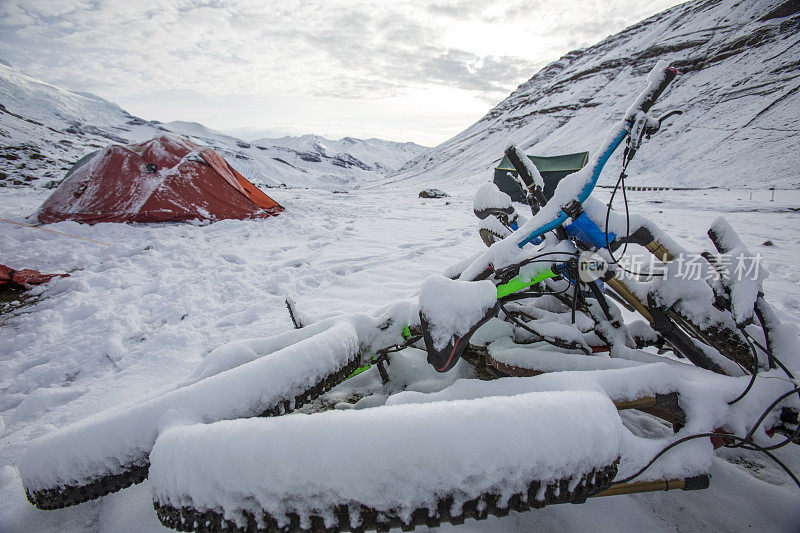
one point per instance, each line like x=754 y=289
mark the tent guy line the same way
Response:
x=53 y=231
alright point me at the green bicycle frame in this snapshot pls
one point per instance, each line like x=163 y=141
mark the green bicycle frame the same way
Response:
x=514 y=285
x=523 y=282
x=406 y=333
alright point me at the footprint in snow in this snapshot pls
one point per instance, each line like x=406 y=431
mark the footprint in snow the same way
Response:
x=295 y=263
x=232 y=258
x=281 y=249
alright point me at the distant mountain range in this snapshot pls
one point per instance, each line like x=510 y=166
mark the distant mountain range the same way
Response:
x=738 y=87
x=45 y=129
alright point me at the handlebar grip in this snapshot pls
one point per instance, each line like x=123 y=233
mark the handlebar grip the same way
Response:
x=650 y=98
x=515 y=155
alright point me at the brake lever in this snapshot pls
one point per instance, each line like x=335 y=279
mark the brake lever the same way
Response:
x=642 y=127
x=652 y=130
x=507 y=273
x=639 y=126
x=534 y=197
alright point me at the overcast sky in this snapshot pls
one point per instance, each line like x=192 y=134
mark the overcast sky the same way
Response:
x=401 y=70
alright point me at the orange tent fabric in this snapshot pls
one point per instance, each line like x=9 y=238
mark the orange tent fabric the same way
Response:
x=165 y=179
x=11 y=277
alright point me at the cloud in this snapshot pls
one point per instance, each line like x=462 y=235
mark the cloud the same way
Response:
x=349 y=49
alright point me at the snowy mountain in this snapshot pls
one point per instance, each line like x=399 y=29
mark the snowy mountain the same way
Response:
x=44 y=129
x=60 y=109
x=374 y=155
x=738 y=84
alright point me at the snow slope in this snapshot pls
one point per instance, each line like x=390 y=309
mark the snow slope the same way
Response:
x=60 y=109
x=739 y=88
x=44 y=129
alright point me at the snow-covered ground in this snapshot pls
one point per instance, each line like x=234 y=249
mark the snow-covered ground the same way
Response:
x=139 y=315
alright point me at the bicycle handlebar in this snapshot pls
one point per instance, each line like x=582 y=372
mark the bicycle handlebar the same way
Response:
x=527 y=171
x=653 y=91
x=658 y=80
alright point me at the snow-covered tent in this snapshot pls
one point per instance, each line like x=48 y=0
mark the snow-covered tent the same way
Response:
x=551 y=168
x=164 y=179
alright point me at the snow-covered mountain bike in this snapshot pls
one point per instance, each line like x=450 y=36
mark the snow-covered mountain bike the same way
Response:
x=710 y=321
x=541 y=441
x=492 y=447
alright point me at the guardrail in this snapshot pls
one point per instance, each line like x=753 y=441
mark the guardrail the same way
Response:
x=648 y=188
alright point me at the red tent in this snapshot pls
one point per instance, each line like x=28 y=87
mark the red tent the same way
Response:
x=163 y=179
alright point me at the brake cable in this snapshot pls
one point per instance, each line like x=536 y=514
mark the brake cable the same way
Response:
x=754 y=370
x=627 y=157
x=731 y=436
x=620 y=180
x=745 y=442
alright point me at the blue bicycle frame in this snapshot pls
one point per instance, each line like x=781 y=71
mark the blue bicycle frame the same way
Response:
x=643 y=103
x=585 y=192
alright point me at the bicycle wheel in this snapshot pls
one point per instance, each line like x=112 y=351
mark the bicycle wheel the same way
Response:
x=110 y=451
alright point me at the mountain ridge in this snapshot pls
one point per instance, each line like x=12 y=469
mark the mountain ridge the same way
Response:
x=739 y=71
x=45 y=129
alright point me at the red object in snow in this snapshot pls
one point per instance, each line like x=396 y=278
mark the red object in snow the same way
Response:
x=722 y=439
x=164 y=179
x=9 y=276
x=601 y=349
